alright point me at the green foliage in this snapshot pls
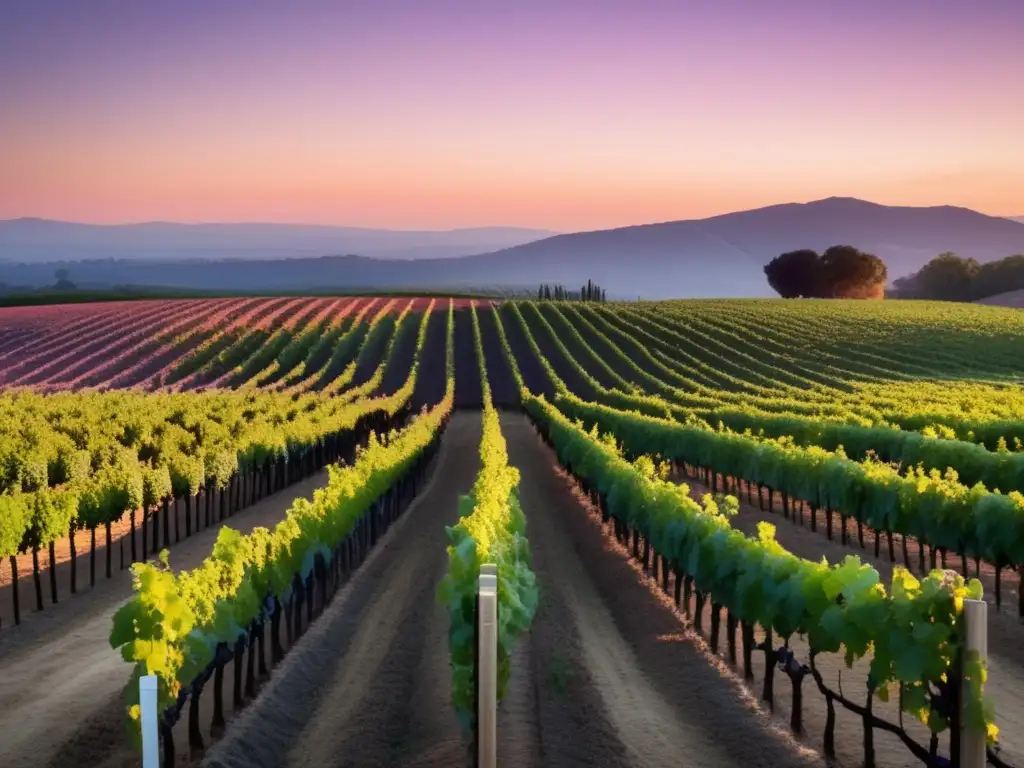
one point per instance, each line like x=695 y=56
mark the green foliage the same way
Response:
x=172 y=626
x=118 y=450
x=931 y=506
x=15 y=516
x=491 y=529
x=949 y=277
x=912 y=631
x=156 y=485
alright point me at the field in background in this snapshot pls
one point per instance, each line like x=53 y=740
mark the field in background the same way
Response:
x=812 y=413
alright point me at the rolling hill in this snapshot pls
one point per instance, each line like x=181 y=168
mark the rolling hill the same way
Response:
x=34 y=241
x=1013 y=299
x=722 y=256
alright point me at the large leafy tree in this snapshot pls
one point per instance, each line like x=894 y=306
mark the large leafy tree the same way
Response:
x=947 y=277
x=795 y=274
x=852 y=274
x=995 y=277
x=841 y=272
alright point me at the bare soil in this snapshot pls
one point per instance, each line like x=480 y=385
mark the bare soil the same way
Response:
x=616 y=678
x=370 y=683
x=499 y=372
x=468 y=389
x=611 y=674
x=431 y=378
x=604 y=677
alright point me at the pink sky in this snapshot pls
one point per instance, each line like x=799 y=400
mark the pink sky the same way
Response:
x=566 y=115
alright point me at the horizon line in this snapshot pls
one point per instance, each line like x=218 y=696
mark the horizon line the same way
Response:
x=550 y=232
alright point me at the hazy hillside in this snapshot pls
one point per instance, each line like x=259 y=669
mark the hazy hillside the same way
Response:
x=33 y=241
x=717 y=257
x=1008 y=299
x=724 y=255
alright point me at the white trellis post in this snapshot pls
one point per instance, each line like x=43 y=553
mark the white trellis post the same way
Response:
x=487 y=667
x=972 y=740
x=150 y=728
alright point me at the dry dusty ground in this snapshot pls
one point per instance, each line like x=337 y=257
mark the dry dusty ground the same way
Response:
x=369 y=684
x=615 y=679
x=603 y=678
x=610 y=674
x=62 y=682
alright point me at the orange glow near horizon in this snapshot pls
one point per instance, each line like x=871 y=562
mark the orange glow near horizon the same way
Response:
x=591 y=119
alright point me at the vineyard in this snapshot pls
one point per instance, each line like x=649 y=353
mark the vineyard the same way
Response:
x=725 y=532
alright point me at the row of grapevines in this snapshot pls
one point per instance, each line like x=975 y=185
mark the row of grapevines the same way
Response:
x=693 y=380
x=334 y=346
x=174 y=623
x=913 y=631
x=837 y=400
x=122 y=351
x=491 y=529
x=973 y=409
x=198 y=358
x=935 y=340
x=226 y=365
x=151 y=367
x=973 y=463
x=341 y=368
x=728 y=349
x=81 y=460
x=299 y=346
x=56 y=332
x=82 y=357
x=249 y=371
x=932 y=507
x=404 y=324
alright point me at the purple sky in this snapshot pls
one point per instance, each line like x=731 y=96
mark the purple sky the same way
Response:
x=555 y=114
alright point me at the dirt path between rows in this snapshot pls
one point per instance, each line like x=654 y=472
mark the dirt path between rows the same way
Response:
x=62 y=682
x=1006 y=650
x=616 y=678
x=370 y=683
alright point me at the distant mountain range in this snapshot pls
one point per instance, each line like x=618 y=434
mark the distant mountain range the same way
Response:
x=1017 y=218
x=32 y=241
x=721 y=256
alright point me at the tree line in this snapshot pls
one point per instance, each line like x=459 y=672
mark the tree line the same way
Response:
x=949 y=277
x=841 y=272
x=589 y=292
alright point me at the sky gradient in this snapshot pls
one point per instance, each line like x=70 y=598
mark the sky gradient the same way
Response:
x=565 y=115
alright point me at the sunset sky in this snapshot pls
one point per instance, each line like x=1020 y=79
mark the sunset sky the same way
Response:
x=565 y=115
